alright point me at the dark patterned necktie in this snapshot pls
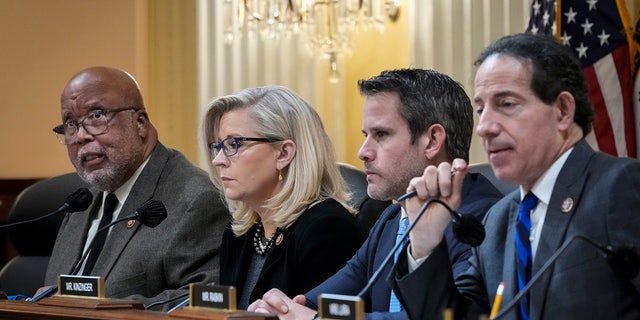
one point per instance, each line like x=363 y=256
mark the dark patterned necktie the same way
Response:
x=524 y=256
x=110 y=204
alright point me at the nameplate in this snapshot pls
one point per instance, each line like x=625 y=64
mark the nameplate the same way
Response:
x=81 y=286
x=340 y=307
x=213 y=297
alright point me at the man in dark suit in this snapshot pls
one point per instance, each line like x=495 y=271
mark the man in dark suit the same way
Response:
x=114 y=147
x=535 y=113
x=412 y=118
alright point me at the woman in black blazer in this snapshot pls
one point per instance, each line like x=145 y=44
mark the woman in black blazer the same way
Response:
x=291 y=225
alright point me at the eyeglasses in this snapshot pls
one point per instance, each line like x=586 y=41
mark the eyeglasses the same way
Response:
x=229 y=146
x=95 y=123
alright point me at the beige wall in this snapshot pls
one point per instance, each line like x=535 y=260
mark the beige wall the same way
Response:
x=42 y=43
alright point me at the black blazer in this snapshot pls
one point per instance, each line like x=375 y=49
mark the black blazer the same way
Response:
x=317 y=245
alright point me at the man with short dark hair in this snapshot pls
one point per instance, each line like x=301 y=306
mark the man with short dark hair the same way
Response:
x=412 y=118
x=534 y=114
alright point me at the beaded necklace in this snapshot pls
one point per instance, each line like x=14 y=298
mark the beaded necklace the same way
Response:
x=262 y=247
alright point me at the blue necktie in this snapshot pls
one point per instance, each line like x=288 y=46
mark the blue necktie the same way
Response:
x=394 y=304
x=524 y=256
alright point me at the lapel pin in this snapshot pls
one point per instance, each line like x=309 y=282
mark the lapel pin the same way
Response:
x=567 y=205
x=131 y=223
x=279 y=239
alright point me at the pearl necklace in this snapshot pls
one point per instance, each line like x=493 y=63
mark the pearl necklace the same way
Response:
x=261 y=247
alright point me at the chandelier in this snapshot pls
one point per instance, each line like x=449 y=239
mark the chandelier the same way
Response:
x=327 y=26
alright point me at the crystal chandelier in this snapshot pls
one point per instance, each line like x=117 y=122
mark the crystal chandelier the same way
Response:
x=327 y=26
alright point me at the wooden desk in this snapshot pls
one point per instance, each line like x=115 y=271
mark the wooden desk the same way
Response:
x=56 y=308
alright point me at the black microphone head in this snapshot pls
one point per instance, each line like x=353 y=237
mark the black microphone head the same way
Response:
x=152 y=213
x=624 y=261
x=79 y=200
x=468 y=229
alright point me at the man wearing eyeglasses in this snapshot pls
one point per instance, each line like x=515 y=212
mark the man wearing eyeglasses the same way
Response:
x=114 y=147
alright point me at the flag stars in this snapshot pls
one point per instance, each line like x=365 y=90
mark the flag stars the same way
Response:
x=566 y=39
x=592 y=4
x=534 y=29
x=604 y=38
x=536 y=8
x=571 y=15
x=545 y=18
x=586 y=26
x=582 y=50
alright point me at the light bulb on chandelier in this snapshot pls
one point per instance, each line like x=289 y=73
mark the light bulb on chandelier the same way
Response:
x=326 y=26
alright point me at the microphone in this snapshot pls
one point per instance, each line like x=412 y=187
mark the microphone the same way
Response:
x=624 y=260
x=163 y=302
x=468 y=223
x=180 y=305
x=150 y=214
x=79 y=200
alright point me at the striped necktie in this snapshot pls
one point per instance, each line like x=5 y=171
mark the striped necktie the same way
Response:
x=524 y=256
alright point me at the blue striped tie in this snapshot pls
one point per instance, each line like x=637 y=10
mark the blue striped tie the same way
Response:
x=524 y=256
x=394 y=304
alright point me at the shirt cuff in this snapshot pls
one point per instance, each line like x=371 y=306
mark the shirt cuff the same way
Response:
x=414 y=263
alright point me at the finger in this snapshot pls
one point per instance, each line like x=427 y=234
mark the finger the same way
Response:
x=431 y=181
x=261 y=310
x=444 y=179
x=461 y=168
x=276 y=300
x=300 y=299
x=255 y=305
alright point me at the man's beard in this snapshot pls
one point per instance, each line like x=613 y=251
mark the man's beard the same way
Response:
x=113 y=174
x=108 y=178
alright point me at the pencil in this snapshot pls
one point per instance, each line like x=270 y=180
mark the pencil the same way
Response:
x=497 y=301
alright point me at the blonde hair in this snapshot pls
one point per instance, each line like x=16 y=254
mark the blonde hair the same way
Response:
x=313 y=174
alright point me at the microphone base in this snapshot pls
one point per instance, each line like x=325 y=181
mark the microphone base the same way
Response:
x=212 y=314
x=90 y=303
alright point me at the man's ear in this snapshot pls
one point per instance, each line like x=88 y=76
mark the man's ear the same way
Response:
x=287 y=151
x=566 y=109
x=142 y=122
x=433 y=141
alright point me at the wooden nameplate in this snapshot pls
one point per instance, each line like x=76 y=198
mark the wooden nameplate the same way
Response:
x=90 y=303
x=210 y=314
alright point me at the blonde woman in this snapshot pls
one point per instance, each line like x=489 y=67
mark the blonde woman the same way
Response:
x=291 y=225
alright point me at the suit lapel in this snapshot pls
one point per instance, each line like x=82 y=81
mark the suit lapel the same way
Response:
x=509 y=263
x=380 y=290
x=80 y=221
x=564 y=200
x=142 y=190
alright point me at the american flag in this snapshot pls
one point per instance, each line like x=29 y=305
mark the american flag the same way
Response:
x=599 y=31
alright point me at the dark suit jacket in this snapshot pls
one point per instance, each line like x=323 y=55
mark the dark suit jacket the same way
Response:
x=605 y=196
x=319 y=243
x=149 y=264
x=478 y=195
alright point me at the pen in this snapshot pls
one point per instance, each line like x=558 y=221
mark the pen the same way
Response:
x=497 y=301
x=413 y=193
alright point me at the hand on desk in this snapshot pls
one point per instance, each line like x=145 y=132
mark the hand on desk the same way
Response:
x=276 y=302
